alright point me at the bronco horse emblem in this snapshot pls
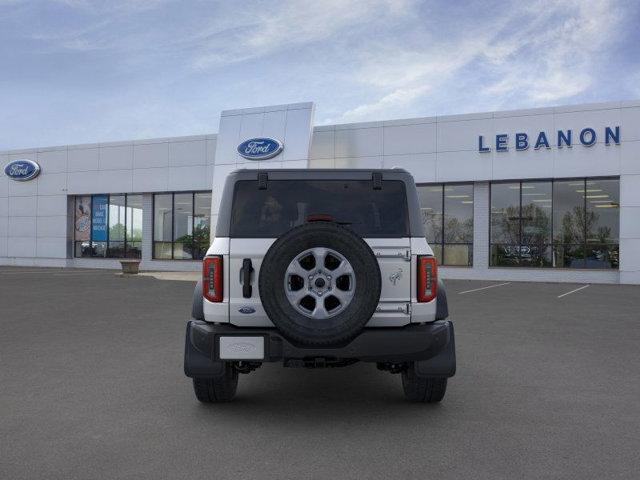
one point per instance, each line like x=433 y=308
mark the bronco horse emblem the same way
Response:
x=394 y=277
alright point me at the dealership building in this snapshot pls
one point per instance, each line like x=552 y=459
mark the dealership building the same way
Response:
x=547 y=194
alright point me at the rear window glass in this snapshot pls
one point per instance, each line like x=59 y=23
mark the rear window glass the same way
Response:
x=285 y=204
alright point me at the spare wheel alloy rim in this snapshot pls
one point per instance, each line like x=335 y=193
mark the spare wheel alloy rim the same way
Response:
x=319 y=283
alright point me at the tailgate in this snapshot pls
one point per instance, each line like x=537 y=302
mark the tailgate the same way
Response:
x=394 y=259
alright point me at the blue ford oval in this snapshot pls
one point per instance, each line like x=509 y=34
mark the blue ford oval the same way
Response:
x=22 y=170
x=260 y=148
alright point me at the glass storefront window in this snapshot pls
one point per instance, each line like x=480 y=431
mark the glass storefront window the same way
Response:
x=458 y=225
x=117 y=220
x=603 y=223
x=108 y=226
x=134 y=226
x=564 y=223
x=603 y=211
x=181 y=225
x=99 y=225
x=569 y=223
x=505 y=213
x=535 y=235
x=162 y=225
x=568 y=212
x=505 y=224
x=82 y=226
x=430 y=198
x=447 y=215
x=201 y=224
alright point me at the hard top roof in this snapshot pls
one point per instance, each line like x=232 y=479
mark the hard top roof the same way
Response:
x=321 y=173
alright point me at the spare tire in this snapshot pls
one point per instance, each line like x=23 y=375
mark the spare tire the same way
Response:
x=319 y=284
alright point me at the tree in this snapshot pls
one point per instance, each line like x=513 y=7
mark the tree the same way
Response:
x=524 y=232
x=577 y=222
x=116 y=232
x=199 y=239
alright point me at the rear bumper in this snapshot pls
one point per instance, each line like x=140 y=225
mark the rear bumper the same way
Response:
x=431 y=345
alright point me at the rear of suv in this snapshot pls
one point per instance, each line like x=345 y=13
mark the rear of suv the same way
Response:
x=319 y=268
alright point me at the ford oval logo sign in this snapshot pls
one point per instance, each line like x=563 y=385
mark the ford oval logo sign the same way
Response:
x=22 y=170
x=260 y=148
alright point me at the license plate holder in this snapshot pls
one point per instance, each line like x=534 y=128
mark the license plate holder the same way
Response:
x=241 y=347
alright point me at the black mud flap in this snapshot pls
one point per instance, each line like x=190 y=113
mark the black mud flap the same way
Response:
x=197 y=309
x=443 y=364
x=442 y=308
x=197 y=363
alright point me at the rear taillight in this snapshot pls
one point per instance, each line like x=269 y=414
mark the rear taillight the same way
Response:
x=427 y=278
x=212 y=278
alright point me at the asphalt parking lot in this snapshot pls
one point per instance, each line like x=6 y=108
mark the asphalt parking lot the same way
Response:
x=91 y=386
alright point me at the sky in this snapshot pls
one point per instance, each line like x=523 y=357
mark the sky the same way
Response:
x=77 y=71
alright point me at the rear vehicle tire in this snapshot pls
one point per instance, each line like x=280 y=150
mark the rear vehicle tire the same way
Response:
x=217 y=389
x=320 y=284
x=423 y=389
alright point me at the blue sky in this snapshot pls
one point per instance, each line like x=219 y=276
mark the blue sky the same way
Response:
x=76 y=71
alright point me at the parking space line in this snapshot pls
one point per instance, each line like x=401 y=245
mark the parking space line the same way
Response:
x=573 y=291
x=484 y=288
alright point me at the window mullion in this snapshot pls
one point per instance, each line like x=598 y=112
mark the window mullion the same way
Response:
x=585 y=218
x=126 y=198
x=107 y=215
x=442 y=232
x=91 y=226
x=552 y=240
x=520 y=227
x=490 y=242
x=193 y=223
x=173 y=222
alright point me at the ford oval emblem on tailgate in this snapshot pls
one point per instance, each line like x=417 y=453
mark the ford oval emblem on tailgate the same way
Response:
x=247 y=310
x=260 y=148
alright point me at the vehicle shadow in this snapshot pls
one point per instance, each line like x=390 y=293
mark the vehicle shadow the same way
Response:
x=307 y=398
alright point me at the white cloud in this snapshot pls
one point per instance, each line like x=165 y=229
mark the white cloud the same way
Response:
x=112 y=6
x=555 y=63
x=397 y=98
x=161 y=68
x=405 y=76
x=255 y=33
x=633 y=84
x=544 y=52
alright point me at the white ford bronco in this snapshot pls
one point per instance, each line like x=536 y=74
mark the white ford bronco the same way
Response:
x=319 y=268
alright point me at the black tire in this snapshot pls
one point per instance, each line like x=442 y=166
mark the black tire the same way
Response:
x=217 y=389
x=335 y=330
x=423 y=389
